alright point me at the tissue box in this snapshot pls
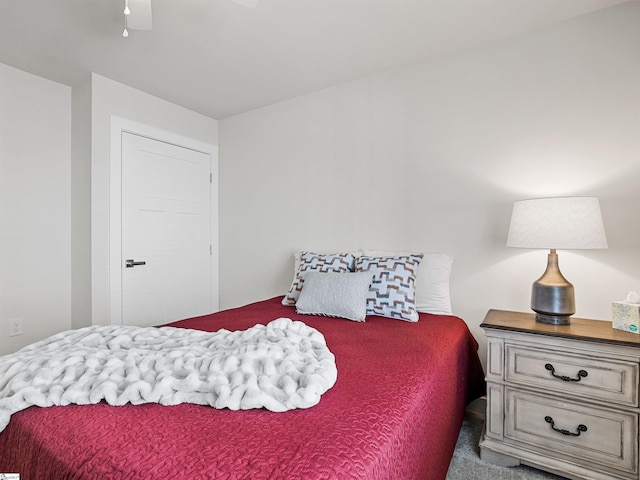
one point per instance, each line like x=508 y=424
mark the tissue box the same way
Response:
x=626 y=316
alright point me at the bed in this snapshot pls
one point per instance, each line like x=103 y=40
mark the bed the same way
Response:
x=394 y=413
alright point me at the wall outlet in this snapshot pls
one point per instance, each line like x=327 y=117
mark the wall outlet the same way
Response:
x=15 y=327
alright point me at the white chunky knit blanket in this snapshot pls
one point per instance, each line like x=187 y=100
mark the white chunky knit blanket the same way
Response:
x=280 y=366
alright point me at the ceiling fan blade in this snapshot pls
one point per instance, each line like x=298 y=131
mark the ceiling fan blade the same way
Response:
x=246 y=3
x=140 y=17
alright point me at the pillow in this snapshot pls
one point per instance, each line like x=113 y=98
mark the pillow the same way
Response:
x=432 y=285
x=297 y=261
x=341 y=295
x=340 y=262
x=392 y=292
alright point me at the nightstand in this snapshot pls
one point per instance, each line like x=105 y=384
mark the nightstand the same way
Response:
x=562 y=398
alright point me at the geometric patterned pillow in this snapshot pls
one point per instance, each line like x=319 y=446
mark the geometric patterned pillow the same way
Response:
x=392 y=292
x=432 y=283
x=339 y=262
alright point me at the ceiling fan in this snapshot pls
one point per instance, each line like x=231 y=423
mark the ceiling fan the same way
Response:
x=137 y=14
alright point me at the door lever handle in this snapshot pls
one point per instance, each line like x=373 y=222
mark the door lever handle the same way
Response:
x=132 y=263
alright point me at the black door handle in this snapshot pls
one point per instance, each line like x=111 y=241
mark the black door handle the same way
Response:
x=132 y=263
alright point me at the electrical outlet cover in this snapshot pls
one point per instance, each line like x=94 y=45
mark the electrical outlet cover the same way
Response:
x=15 y=327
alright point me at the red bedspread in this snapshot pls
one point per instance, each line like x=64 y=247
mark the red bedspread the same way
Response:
x=394 y=413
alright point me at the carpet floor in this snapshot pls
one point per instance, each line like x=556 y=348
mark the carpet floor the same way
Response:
x=467 y=465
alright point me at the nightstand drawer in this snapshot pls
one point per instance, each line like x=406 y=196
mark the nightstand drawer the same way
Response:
x=571 y=432
x=590 y=377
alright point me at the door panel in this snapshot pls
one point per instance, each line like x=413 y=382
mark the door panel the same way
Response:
x=166 y=222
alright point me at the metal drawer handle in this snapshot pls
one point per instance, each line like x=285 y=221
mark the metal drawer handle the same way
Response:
x=581 y=428
x=581 y=374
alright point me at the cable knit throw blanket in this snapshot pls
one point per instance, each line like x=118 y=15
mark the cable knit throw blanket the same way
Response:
x=280 y=366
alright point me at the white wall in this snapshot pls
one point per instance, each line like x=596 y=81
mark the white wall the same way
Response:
x=110 y=98
x=431 y=158
x=54 y=187
x=81 y=204
x=35 y=276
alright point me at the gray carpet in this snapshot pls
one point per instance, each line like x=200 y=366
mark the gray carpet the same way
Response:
x=466 y=463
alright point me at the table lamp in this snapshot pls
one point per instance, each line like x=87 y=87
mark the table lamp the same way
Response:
x=560 y=223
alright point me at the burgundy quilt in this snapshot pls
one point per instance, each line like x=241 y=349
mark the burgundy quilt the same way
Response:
x=394 y=413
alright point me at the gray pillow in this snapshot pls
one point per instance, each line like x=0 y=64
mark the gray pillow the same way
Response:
x=330 y=294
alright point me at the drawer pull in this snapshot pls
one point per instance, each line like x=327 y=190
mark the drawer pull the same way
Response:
x=581 y=428
x=581 y=374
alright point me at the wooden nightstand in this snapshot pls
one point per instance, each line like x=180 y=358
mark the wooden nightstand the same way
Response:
x=561 y=398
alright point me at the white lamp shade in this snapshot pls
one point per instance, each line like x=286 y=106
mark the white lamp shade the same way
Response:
x=563 y=223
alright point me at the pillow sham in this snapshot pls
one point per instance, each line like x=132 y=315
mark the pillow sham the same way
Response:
x=392 y=291
x=433 y=294
x=297 y=261
x=339 y=262
x=342 y=295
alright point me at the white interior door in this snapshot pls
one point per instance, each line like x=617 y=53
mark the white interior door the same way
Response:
x=166 y=232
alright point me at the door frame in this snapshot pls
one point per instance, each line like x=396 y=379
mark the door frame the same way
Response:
x=117 y=126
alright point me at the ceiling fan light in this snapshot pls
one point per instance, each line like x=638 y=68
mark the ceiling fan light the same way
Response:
x=125 y=32
x=126 y=8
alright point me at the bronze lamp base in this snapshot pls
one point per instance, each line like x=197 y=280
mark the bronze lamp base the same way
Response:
x=552 y=296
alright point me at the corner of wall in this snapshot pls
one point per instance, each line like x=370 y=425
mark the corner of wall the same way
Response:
x=81 y=204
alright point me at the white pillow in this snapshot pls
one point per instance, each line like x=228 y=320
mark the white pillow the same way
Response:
x=341 y=295
x=432 y=285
